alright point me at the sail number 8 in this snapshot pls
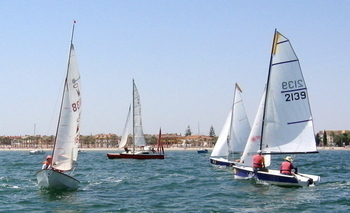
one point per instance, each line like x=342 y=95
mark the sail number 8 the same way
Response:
x=76 y=106
x=295 y=96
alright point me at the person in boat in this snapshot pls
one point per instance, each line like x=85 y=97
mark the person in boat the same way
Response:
x=259 y=162
x=126 y=149
x=47 y=162
x=287 y=166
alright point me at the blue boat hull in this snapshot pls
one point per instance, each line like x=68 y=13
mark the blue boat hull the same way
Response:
x=275 y=178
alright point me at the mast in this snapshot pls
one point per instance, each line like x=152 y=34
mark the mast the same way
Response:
x=231 y=123
x=273 y=51
x=133 y=116
x=64 y=87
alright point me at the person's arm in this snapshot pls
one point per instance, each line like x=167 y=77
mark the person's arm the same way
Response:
x=295 y=169
x=263 y=162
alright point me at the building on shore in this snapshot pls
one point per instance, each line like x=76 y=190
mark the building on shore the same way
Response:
x=109 y=140
x=338 y=138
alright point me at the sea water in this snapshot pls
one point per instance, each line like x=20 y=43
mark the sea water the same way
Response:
x=183 y=182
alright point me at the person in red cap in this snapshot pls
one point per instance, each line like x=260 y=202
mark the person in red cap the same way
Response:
x=47 y=162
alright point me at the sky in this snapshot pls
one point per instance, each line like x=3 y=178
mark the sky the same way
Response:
x=185 y=57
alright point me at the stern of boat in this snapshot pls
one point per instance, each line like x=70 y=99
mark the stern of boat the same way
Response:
x=306 y=180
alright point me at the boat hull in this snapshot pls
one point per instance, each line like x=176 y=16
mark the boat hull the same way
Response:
x=275 y=178
x=221 y=162
x=51 y=179
x=202 y=151
x=36 y=152
x=140 y=155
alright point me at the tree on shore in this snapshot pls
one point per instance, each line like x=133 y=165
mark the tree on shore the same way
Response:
x=188 y=131
x=212 y=131
x=324 y=138
x=317 y=139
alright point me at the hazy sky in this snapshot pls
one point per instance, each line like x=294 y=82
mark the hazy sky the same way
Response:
x=185 y=57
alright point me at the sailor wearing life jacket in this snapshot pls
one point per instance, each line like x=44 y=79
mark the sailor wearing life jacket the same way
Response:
x=258 y=162
x=287 y=166
x=47 y=162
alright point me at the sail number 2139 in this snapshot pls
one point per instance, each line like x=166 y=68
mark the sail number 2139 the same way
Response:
x=294 y=96
x=294 y=90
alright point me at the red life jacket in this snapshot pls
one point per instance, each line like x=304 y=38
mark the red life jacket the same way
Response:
x=258 y=161
x=286 y=167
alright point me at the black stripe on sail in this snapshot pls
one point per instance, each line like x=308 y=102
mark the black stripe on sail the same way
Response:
x=297 y=122
x=293 y=90
x=285 y=62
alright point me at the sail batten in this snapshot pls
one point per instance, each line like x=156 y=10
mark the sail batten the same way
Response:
x=284 y=62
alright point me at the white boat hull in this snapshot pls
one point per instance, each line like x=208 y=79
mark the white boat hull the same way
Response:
x=274 y=177
x=52 y=179
x=36 y=152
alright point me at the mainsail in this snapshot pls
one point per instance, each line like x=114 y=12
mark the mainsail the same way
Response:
x=287 y=124
x=139 y=139
x=65 y=152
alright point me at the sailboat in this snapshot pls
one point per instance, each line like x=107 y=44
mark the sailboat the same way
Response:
x=234 y=134
x=138 y=139
x=283 y=123
x=65 y=151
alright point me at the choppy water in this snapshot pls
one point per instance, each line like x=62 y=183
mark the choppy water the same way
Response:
x=183 y=182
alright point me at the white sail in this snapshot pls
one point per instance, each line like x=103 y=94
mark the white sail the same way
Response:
x=65 y=152
x=125 y=131
x=288 y=125
x=139 y=139
x=235 y=132
x=254 y=139
x=221 y=147
x=240 y=127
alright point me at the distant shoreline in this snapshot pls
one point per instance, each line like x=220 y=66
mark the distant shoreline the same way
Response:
x=110 y=149
x=166 y=149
